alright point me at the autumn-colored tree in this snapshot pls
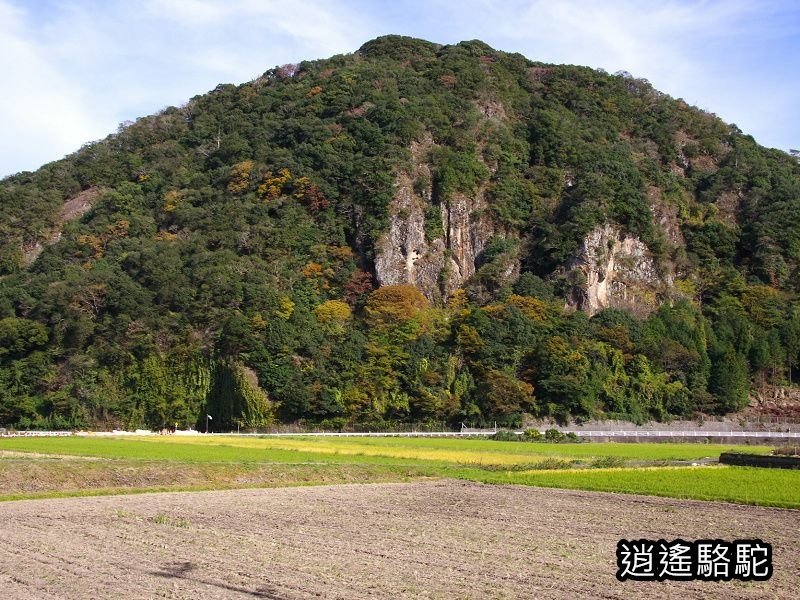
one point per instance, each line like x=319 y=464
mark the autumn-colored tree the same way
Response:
x=340 y=253
x=94 y=243
x=90 y=300
x=533 y=308
x=332 y=311
x=275 y=185
x=394 y=304
x=507 y=397
x=171 y=200
x=448 y=81
x=357 y=287
x=285 y=308
x=313 y=198
x=166 y=236
x=239 y=180
x=98 y=243
x=333 y=315
x=458 y=300
x=312 y=270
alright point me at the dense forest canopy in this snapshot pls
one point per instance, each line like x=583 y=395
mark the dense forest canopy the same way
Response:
x=220 y=257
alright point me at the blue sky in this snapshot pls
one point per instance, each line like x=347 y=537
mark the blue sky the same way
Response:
x=72 y=70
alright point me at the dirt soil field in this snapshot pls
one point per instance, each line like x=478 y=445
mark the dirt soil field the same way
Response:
x=440 y=539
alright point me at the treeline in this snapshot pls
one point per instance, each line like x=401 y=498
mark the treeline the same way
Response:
x=226 y=262
x=390 y=357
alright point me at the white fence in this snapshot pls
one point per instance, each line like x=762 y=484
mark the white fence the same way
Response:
x=36 y=433
x=633 y=433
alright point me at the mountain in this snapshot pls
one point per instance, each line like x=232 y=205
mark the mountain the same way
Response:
x=409 y=233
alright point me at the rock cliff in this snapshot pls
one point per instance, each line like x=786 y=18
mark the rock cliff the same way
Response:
x=616 y=269
x=415 y=249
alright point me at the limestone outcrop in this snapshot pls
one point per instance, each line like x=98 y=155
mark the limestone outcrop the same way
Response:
x=616 y=269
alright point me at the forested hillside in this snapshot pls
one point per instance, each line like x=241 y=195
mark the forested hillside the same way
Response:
x=412 y=232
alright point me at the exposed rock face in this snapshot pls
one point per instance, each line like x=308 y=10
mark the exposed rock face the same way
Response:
x=441 y=263
x=468 y=230
x=72 y=209
x=619 y=272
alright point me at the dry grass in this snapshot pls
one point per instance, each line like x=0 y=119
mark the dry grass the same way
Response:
x=33 y=477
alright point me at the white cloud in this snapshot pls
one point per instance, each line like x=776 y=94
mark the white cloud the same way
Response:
x=44 y=113
x=79 y=68
x=77 y=73
x=321 y=27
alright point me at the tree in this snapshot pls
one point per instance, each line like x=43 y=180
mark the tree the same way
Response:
x=333 y=315
x=729 y=379
x=506 y=398
x=791 y=341
x=20 y=336
x=394 y=304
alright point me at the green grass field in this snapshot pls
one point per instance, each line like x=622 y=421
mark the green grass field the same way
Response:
x=37 y=467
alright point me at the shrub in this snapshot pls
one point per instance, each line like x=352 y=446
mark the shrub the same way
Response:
x=532 y=435
x=506 y=436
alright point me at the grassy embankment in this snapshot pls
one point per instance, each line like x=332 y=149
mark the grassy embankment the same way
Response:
x=47 y=467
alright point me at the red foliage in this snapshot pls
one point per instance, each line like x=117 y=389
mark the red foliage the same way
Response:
x=357 y=287
x=314 y=199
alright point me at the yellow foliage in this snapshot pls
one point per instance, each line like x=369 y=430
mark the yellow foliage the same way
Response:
x=469 y=338
x=533 y=308
x=312 y=269
x=240 y=177
x=171 y=200
x=94 y=242
x=258 y=322
x=686 y=287
x=496 y=311
x=314 y=91
x=166 y=236
x=118 y=229
x=97 y=243
x=286 y=308
x=458 y=300
x=333 y=311
x=394 y=304
x=274 y=185
x=301 y=186
x=341 y=253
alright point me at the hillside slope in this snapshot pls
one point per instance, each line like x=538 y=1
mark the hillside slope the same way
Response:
x=413 y=232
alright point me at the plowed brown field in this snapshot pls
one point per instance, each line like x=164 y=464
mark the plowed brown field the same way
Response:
x=441 y=539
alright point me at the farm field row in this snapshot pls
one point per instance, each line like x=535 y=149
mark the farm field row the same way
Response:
x=216 y=448
x=35 y=467
x=423 y=539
